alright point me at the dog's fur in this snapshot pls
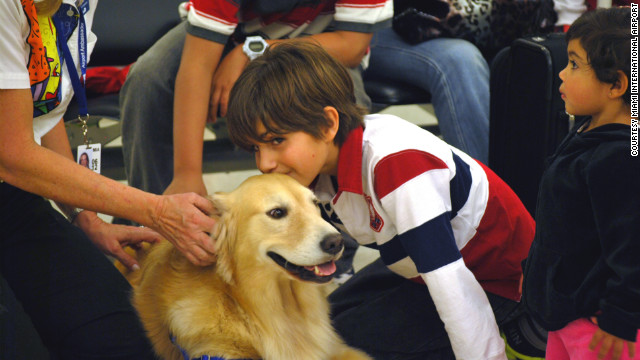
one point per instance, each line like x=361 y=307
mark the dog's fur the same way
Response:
x=261 y=299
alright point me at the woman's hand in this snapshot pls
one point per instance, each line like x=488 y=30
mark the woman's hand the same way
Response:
x=184 y=220
x=111 y=239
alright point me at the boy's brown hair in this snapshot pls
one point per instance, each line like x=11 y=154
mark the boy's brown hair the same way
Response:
x=287 y=89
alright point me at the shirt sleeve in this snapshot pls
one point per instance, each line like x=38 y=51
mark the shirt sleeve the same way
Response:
x=13 y=47
x=212 y=20
x=363 y=15
x=613 y=178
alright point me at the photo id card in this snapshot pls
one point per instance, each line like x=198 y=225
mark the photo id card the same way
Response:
x=89 y=156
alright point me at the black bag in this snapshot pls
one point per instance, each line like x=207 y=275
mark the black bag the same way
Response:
x=527 y=114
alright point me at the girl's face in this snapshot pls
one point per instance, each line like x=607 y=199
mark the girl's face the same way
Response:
x=296 y=154
x=582 y=92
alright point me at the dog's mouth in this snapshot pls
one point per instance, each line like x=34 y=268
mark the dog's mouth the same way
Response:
x=320 y=273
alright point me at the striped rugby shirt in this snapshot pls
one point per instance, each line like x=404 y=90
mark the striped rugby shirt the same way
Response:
x=216 y=20
x=437 y=216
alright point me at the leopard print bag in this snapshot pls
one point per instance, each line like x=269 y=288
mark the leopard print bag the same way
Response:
x=494 y=24
x=490 y=24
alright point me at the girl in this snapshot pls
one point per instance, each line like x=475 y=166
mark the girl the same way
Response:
x=75 y=298
x=582 y=278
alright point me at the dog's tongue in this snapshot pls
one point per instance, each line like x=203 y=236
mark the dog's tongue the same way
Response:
x=325 y=269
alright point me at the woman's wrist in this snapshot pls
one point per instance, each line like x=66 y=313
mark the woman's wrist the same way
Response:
x=83 y=219
x=72 y=216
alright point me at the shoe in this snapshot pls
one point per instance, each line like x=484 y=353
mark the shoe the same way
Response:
x=513 y=354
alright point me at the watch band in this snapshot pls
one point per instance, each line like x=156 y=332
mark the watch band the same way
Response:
x=254 y=46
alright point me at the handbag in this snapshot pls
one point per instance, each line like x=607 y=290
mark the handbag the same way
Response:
x=494 y=24
x=489 y=24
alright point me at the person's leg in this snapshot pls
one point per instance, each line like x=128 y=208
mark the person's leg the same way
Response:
x=76 y=299
x=456 y=75
x=358 y=87
x=146 y=112
x=388 y=316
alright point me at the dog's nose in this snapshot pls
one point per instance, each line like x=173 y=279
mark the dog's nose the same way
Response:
x=332 y=244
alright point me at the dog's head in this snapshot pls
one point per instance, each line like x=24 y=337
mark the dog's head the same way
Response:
x=271 y=223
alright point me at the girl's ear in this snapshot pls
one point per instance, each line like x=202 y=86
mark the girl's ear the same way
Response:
x=334 y=123
x=620 y=86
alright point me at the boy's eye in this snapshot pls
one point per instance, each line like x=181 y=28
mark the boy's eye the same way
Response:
x=277 y=140
x=573 y=64
x=255 y=148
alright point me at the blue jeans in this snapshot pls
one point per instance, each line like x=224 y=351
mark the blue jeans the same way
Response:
x=146 y=111
x=456 y=75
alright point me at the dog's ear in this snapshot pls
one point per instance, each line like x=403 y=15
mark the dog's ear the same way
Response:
x=220 y=202
x=223 y=234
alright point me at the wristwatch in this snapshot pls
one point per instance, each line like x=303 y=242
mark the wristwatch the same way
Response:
x=254 y=46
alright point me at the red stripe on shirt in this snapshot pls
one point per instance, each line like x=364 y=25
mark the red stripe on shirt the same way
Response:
x=225 y=11
x=501 y=242
x=398 y=168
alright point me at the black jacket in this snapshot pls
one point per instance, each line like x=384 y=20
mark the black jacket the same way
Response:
x=585 y=259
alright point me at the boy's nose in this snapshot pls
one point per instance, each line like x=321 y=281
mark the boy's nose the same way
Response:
x=265 y=163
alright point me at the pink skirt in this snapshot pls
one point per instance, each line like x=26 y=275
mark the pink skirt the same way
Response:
x=572 y=342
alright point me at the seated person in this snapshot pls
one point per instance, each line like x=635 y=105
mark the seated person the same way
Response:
x=184 y=79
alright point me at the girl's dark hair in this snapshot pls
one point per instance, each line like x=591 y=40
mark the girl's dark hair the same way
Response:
x=605 y=35
x=287 y=89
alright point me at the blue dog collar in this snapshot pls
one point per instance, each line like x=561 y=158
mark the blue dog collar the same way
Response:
x=185 y=356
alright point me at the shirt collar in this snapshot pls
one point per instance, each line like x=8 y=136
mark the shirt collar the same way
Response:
x=350 y=163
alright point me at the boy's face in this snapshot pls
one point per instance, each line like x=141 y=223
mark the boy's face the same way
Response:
x=296 y=154
x=582 y=92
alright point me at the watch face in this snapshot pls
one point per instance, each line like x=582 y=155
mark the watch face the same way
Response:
x=256 y=46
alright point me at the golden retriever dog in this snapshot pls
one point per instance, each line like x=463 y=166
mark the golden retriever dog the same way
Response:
x=262 y=298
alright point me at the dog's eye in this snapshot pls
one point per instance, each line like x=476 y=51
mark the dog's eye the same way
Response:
x=277 y=213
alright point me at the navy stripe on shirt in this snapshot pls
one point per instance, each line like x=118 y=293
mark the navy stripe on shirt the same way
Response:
x=460 y=185
x=430 y=245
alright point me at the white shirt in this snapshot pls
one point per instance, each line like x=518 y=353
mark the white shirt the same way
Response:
x=16 y=54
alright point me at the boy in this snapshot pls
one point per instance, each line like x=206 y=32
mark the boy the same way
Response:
x=436 y=215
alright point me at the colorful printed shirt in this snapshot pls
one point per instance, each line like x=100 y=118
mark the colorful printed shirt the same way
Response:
x=436 y=216
x=216 y=20
x=31 y=58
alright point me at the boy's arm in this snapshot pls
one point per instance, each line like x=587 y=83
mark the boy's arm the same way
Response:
x=200 y=57
x=465 y=311
x=427 y=237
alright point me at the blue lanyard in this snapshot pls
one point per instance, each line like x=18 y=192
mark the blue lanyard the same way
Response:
x=65 y=22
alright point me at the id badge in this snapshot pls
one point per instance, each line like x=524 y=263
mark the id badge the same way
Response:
x=89 y=156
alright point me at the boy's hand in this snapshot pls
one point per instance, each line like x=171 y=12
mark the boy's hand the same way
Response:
x=185 y=183
x=225 y=76
x=610 y=343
